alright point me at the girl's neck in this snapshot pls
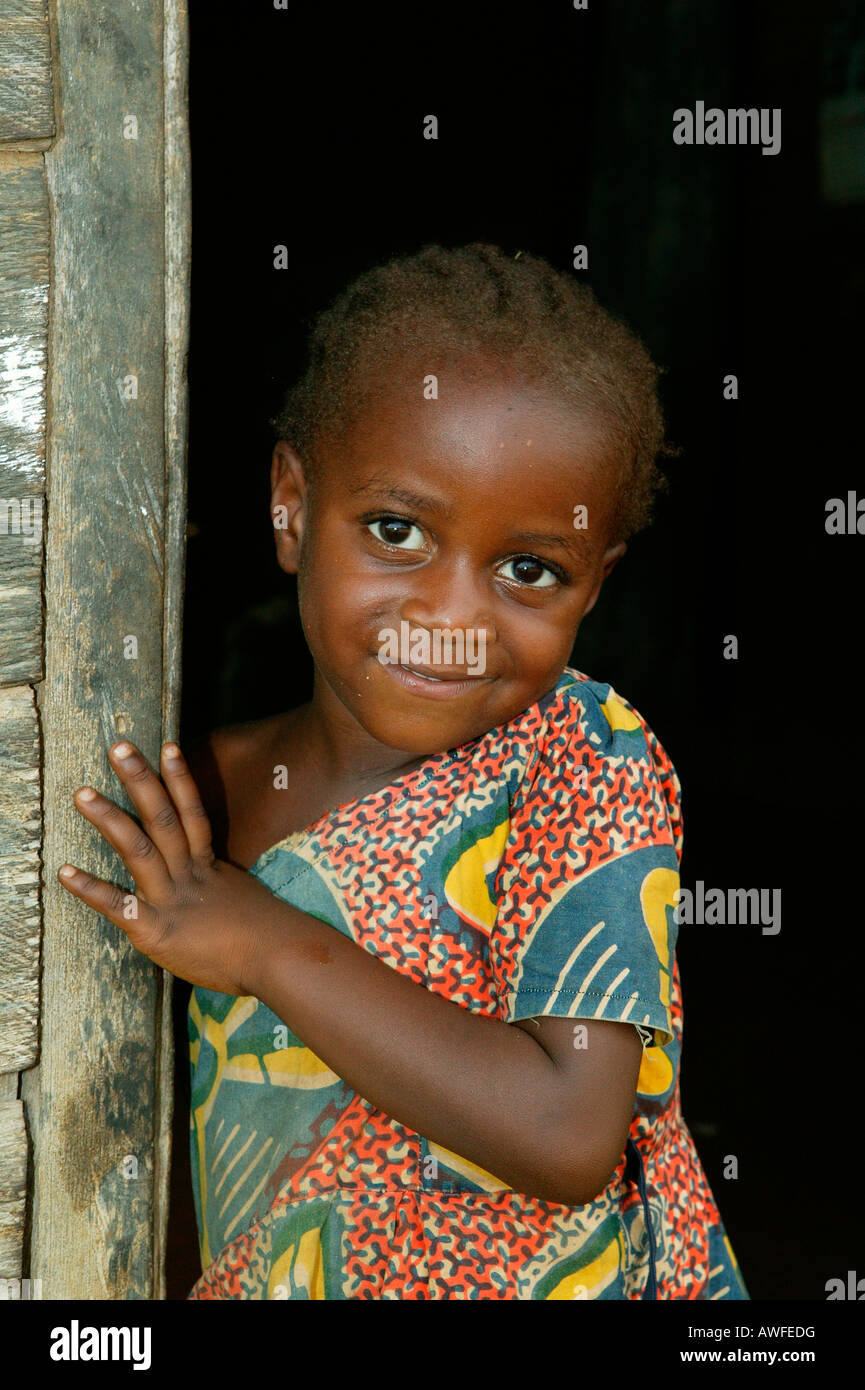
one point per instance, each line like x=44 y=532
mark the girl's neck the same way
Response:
x=340 y=754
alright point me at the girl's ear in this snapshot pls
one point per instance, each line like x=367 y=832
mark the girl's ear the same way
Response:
x=612 y=557
x=288 y=501
x=608 y=563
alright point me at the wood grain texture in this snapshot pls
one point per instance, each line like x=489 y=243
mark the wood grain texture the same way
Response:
x=26 y=95
x=13 y=1179
x=24 y=261
x=177 y=286
x=19 y=879
x=92 y=1099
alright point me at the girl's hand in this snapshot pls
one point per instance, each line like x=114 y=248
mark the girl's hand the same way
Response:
x=191 y=913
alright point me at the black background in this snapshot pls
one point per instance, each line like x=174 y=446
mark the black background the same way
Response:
x=555 y=128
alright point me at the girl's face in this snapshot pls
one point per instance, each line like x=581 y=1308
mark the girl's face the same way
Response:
x=442 y=568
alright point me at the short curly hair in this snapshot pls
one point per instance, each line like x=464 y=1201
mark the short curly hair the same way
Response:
x=479 y=301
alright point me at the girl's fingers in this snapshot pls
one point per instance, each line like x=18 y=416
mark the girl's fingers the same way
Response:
x=184 y=794
x=126 y=910
x=157 y=811
x=135 y=848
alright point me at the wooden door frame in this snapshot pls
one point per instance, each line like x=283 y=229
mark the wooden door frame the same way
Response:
x=97 y=1104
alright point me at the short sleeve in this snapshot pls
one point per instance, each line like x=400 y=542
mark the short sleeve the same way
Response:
x=586 y=889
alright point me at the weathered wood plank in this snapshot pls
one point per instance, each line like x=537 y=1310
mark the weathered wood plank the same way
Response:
x=24 y=252
x=13 y=1179
x=19 y=879
x=90 y=1101
x=177 y=267
x=26 y=91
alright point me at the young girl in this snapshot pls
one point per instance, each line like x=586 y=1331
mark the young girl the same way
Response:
x=436 y=1022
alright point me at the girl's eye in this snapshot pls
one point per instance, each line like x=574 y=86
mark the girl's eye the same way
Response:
x=397 y=531
x=531 y=572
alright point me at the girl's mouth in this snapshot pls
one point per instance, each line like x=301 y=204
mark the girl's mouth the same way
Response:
x=434 y=686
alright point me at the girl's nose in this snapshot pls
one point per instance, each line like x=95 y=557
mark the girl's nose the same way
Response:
x=449 y=596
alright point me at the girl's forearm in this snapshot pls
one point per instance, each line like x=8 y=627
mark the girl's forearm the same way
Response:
x=473 y=1084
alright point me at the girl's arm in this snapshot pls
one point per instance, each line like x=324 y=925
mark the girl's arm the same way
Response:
x=548 y=1118
x=523 y=1101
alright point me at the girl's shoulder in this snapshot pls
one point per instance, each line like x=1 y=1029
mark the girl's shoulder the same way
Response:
x=228 y=764
x=220 y=758
x=579 y=719
x=588 y=735
x=580 y=710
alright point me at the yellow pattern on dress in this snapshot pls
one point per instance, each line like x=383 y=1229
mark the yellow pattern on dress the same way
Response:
x=466 y=885
x=657 y=893
x=593 y=1278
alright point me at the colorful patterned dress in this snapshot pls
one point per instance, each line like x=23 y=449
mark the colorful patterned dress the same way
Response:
x=530 y=871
